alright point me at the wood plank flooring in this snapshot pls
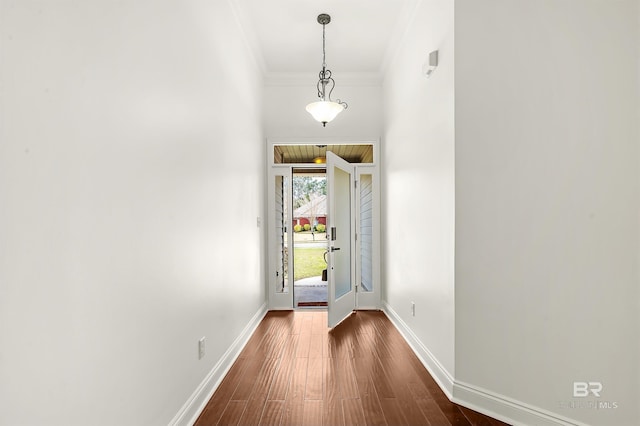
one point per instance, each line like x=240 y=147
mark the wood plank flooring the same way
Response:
x=295 y=371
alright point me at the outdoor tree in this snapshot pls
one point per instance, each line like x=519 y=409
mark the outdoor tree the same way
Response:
x=313 y=209
x=305 y=188
x=306 y=191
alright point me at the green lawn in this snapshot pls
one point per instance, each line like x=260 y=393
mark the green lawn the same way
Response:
x=308 y=263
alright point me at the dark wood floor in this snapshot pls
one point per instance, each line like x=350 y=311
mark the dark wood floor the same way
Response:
x=295 y=371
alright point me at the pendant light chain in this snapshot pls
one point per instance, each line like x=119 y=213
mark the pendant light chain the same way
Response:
x=324 y=55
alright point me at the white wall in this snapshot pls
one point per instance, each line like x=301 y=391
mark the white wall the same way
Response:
x=131 y=171
x=547 y=202
x=418 y=183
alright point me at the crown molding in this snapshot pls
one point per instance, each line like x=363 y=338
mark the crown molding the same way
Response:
x=354 y=79
x=250 y=37
x=401 y=29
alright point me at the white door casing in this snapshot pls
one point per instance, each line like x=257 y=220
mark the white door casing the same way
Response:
x=365 y=209
x=278 y=197
x=367 y=251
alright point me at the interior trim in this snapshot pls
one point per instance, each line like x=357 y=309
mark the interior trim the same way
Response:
x=440 y=374
x=504 y=408
x=191 y=409
x=475 y=398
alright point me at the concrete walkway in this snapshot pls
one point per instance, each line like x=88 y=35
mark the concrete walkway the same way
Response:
x=309 y=290
x=310 y=282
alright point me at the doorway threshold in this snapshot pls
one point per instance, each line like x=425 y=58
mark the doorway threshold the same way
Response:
x=310 y=293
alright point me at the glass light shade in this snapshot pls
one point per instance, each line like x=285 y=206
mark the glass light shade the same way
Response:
x=324 y=111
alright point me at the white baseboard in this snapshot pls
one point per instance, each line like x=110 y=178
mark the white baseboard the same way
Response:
x=481 y=400
x=190 y=411
x=431 y=363
x=506 y=409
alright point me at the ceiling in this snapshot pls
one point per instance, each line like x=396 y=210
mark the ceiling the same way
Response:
x=288 y=39
x=300 y=154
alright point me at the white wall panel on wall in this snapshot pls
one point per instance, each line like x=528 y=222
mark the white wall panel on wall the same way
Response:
x=418 y=184
x=131 y=168
x=547 y=203
x=545 y=176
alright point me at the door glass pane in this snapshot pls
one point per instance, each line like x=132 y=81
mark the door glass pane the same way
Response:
x=365 y=235
x=281 y=226
x=342 y=257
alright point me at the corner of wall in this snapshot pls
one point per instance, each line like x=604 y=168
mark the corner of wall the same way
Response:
x=439 y=373
x=196 y=403
x=504 y=408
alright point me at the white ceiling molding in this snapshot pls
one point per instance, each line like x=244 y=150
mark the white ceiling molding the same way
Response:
x=349 y=79
x=250 y=37
x=400 y=31
x=283 y=38
x=289 y=37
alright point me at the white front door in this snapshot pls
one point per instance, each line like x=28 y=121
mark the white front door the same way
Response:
x=341 y=239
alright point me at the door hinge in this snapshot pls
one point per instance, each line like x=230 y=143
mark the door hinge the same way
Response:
x=356 y=236
x=355 y=183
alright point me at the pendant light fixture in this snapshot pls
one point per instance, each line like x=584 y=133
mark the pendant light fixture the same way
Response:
x=325 y=109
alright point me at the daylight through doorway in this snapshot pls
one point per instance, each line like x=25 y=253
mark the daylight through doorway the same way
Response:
x=309 y=221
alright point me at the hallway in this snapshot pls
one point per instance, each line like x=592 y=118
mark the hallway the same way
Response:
x=141 y=143
x=294 y=371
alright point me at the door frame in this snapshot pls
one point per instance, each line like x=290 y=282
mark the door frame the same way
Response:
x=369 y=299
x=278 y=300
x=284 y=301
